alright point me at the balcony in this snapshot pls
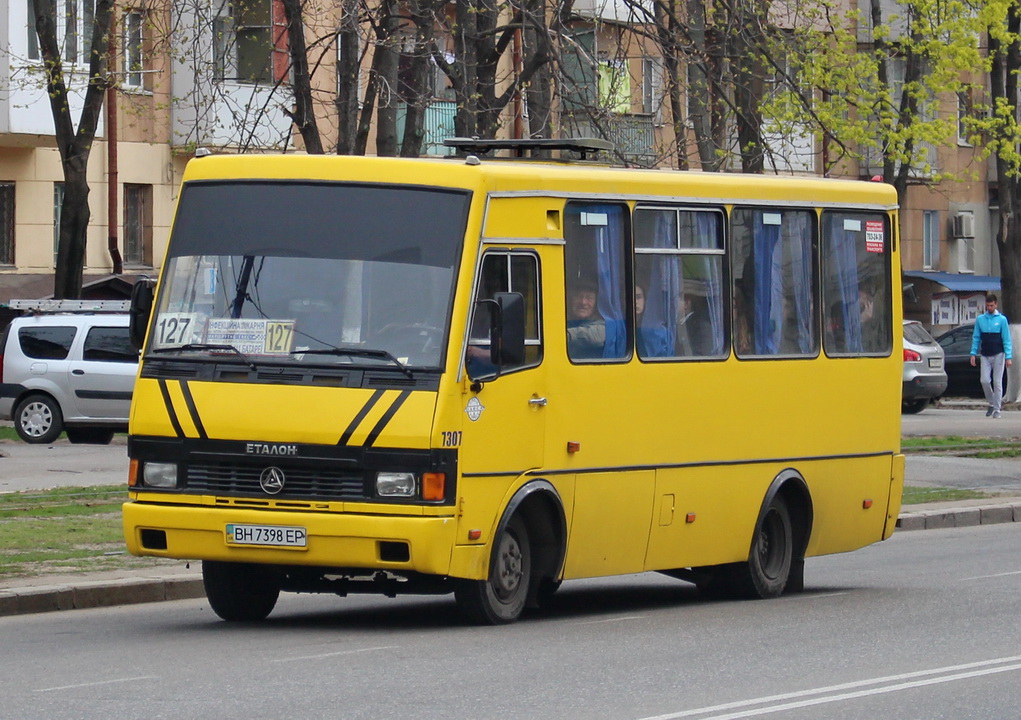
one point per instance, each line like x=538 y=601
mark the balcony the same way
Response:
x=438 y=126
x=632 y=134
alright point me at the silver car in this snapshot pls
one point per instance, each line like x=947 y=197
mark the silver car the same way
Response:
x=72 y=372
x=925 y=377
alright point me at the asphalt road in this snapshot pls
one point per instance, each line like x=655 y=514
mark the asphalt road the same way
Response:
x=923 y=626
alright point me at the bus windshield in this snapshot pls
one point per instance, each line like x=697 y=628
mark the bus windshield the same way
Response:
x=311 y=273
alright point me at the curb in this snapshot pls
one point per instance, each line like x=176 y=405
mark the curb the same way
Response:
x=81 y=594
x=77 y=594
x=960 y=517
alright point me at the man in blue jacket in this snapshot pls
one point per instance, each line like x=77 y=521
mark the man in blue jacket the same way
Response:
x=991 y=343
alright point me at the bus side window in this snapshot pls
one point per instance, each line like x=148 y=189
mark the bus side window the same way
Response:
x=774 y=282
x=855 y=293
x=597 y=305
x=679 y=270
x=502 y=272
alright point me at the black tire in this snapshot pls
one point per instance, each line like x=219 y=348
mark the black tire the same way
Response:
x=38 y=419
x=89 y=435
x=240 y=592
x=913 y=407
x=500 y=599
x=768 y=568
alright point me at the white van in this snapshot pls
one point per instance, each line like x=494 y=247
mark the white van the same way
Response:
x=67 y=372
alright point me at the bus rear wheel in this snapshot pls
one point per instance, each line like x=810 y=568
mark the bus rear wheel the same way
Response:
x=240 y=592
x=500 y=599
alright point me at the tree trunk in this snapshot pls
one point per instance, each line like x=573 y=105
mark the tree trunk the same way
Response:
x=384 y=75
x=303 y=114
x=348 y=58
x=74 y=146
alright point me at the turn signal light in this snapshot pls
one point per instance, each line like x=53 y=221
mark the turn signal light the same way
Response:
x=434 y=486
x=866 y=504
x=133 y=473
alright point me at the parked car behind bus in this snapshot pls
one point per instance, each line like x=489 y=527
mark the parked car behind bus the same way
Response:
x=924 y=376
x=72 y=372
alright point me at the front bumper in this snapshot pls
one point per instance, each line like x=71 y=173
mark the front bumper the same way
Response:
x=335 y=540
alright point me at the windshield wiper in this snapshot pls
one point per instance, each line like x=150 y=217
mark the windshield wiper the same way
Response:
x=209 y=346
x=359 y=352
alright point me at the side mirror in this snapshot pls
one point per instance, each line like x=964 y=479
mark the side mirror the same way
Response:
x=508 y=332
x=142 y=296
x=506 y=318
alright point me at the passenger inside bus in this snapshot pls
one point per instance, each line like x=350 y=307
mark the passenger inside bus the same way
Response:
x=640 y=343
x=586 y=329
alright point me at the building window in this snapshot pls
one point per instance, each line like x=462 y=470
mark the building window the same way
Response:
x=131 y=42
x=652 y=88
x=138 y=224
x=58 y=204
x=74 y=34
x=965 y=109
x=33 y=36
x=250 y=41
x=930 y=239
x=7 y=223
x=614 y=85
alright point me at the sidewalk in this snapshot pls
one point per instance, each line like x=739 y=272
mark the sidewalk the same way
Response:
x=180 y=582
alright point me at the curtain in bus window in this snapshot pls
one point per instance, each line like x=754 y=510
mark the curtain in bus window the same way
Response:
x=707 y=237
x=610 y=264
x=659 y=322
x=782 y=296
x=798 y=236
x=594 y=267
x=844 y=259
x=768 y=318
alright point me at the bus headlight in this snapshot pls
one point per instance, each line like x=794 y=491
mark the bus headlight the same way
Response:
x=395 y=484
x=161 y=475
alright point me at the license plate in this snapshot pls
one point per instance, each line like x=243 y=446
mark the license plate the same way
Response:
x=270 y=535
x=936 y=363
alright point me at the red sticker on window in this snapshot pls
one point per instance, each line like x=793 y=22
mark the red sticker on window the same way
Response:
x=874 y=236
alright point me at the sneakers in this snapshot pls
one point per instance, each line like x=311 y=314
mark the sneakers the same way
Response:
x=989 y=411
x=996 y=414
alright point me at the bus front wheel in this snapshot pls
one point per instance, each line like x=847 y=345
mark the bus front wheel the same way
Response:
x=500 y=599
x=240 y=592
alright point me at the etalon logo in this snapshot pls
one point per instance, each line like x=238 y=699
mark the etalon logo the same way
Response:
x=474 y=409
x=272 y=480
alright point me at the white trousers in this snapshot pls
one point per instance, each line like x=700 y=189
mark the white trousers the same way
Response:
x=991 y=374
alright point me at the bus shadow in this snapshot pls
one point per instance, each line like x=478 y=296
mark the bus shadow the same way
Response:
x=581 y=601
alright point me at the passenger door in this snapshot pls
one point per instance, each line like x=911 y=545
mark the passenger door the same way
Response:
x=102 y=380
x=505 y=406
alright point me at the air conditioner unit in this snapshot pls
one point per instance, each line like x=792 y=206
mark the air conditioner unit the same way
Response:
x=966 y=255
x=964 y=225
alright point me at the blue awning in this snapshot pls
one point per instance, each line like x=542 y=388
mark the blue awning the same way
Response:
x=958 y=282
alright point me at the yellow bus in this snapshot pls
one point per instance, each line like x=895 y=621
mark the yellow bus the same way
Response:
x=483 y=377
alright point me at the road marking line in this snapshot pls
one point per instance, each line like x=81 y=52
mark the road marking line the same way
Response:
x=94 y=684
x=816 y=596
x=986 y=577
x=335 y=654
x=609 y=620
x=975 y=669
